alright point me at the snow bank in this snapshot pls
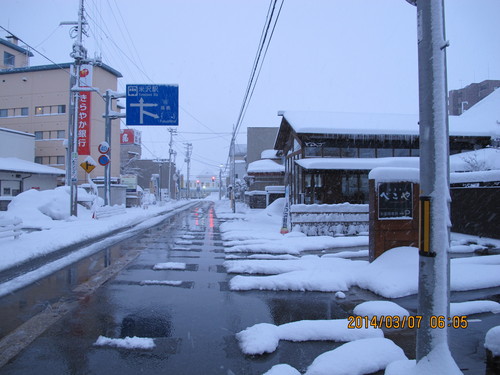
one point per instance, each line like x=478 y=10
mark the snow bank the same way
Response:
x=126 y=343
x=492 y=341
x=380 y=308
x=394 y=274
x=438 y=361
x=264 y=337
x=282 y=369
x=474 y=307
x=363 y=356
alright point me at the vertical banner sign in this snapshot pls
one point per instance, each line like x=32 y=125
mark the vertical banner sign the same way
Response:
x=84 y=105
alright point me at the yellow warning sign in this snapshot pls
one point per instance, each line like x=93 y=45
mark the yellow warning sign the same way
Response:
x=88 y=167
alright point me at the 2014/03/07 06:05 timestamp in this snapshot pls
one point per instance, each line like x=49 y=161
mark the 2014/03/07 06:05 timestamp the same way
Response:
x=412 y=321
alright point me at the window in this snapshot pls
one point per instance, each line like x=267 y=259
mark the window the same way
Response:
x=366 y=152
x=14 y=112
x=50 y=110
x=60 y=160
x=313 y=151
x=38 y=135
x=401 y=152
x=9 y=59
x=331 y=151
x=61 y=134
x=350 y=152
x=39 y=159
x=384 y=152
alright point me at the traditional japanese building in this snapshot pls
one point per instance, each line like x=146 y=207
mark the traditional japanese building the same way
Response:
x=328 y=155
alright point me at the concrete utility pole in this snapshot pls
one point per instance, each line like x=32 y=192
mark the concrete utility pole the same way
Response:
x=189 y=148
x=434 y=266
x=170 y=152
x=108 y=116
x=233 y=170
x=80 y=55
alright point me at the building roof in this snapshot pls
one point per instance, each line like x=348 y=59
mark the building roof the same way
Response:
x=40 y=68
x=16 y=47
x=265 y=166
x=19 y=165
x=357 y=163
x=17 y=132
x=482 y=120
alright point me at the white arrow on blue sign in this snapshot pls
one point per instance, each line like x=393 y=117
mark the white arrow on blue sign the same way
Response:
x=152 y=105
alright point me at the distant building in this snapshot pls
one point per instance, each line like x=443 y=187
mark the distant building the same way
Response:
x=259 y=139
x=461 y=100
x=18 y=172
x=36 y=100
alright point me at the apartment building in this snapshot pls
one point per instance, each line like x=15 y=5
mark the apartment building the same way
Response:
x=36 y=100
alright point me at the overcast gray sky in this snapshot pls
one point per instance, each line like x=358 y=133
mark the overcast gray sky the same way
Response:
x=333 y=55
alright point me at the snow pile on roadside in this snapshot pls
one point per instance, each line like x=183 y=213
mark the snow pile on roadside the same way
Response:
x=380 y=308
x=377 y=354
x=282 y=369
x=438 y=361
x=40 y=208
x=264 y=337
x=392 y=275
x=46 y=213
x=492 y=341
x=126 y=343
x=474 y=307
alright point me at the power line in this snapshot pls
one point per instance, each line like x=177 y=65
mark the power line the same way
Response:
x=257 y=66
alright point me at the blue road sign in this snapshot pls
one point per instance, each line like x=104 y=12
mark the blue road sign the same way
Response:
x=152 y=105
x=104 y=160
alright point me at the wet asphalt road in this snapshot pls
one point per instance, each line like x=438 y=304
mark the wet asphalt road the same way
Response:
x=193 y=324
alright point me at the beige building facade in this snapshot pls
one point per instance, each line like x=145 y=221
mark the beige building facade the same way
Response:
x=36 y=100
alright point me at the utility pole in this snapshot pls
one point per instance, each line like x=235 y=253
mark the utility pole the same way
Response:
x=434 y=265
x=170 y=152
x=108 y=116
x=189 y=148
x=80 y=55
x=233 y=171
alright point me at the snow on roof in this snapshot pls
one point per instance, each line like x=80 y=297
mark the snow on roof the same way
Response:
x=268 y=154
x=483 y=159
x=265 y=166
x=19 y=165
x=358 y=163
x=17 y=132
x=483 y=119
x=352 y=123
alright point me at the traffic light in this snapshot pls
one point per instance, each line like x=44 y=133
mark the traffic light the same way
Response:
x=213 y=178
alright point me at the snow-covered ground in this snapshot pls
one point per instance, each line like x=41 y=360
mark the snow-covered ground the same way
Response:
x=48 y=227
x=263 y=259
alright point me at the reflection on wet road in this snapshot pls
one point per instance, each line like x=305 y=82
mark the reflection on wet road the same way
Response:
x=193 y=318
